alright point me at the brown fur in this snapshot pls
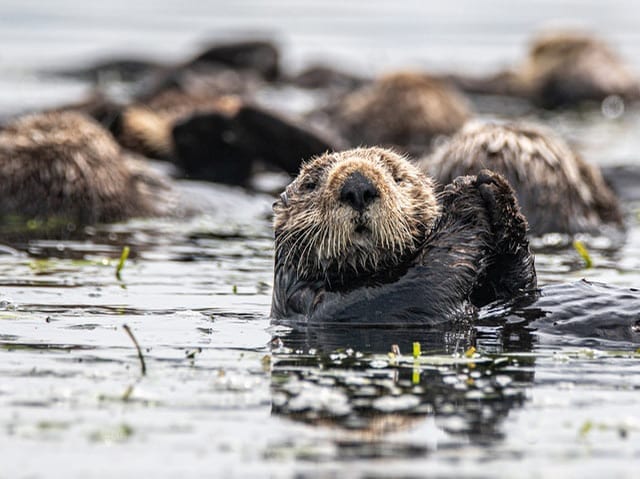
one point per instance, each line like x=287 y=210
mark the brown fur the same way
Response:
x=146 y=126
x=557 y=190
x=562 y=69
x=404 y=110
x=320 y=232
x=63 y=164
x=585 y=62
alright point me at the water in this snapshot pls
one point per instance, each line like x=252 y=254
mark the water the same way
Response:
x=225 y=394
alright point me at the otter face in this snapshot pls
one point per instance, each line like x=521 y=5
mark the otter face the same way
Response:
x=353 y=213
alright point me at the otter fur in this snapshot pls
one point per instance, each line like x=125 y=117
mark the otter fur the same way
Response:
x=401 y=110
x=557 y=190
x=145 y=127
x=226 y=149
x=563 y=69
x=64 y=165
x=360 y=236
x=215 y=138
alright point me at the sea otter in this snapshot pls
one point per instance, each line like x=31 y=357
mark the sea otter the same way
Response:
x=145 y=126
x=258 y=57
x=64 y=168
x=360 y=237
x=562 y=69
x=401 y=110
x=321 y=76
x=219 y=138
x=557 y=190
x=229 y=148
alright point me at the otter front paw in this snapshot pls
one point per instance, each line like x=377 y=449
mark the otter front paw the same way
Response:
x=508 y=224
x=512 y=266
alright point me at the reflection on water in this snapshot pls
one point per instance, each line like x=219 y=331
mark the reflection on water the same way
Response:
x=375 y=394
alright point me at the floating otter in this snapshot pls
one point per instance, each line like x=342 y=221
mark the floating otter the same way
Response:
x=563 y=69
x=556 y=189
x=362 y=238
x=222 y=148
x=229 y=68
x=321 y=76
x=120 y=69
x=402 y=110
x=256 y=57
x=145 y=127
x=64 y=167
x=218 y=138
x=259 y=56
x=213 y=80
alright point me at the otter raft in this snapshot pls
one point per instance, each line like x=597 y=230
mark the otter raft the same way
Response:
x=324 y=239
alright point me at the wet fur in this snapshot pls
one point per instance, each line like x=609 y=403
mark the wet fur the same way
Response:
x=556 y=189
x=444 y=258
x=562 y=69
x=565 y=68
x=65 y=165
x=404 y=110
x=146 y=127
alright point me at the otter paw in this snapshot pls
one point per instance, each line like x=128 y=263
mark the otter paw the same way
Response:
x=508 y=224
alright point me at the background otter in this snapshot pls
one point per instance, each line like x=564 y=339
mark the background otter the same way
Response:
x=557 y=190
x=65 y=166
x=361 y=237
x=145 y=127
x=402 y=110
x=229 y=148
x=562 y=69
x=219 y=138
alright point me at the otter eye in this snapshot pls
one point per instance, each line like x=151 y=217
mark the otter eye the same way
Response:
x=308 y=186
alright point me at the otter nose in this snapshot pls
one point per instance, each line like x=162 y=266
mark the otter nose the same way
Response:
x=358 y=191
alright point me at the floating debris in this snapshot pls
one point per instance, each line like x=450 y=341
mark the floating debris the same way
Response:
x=583 y=252
x=123 y=257
x=585 y=428
x=415 y=376
x=117 y=434
x=143 y=366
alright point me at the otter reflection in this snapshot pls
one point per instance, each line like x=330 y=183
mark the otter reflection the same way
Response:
x=368 y=396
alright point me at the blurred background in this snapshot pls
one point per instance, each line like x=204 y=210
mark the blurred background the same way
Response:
x=363 y=36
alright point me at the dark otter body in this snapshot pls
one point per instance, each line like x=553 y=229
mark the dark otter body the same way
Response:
x=361 y=239
x=259 y=56
x=65 y=167
x=556 y=189
x=327 y=77
x=125 y=69
x=226 y=149
x=211 y=138
x=223 y=69
x=145 y=127
x=584 y=313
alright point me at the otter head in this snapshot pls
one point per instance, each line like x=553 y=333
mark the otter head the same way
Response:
x=353 y=214
x=561 y=49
